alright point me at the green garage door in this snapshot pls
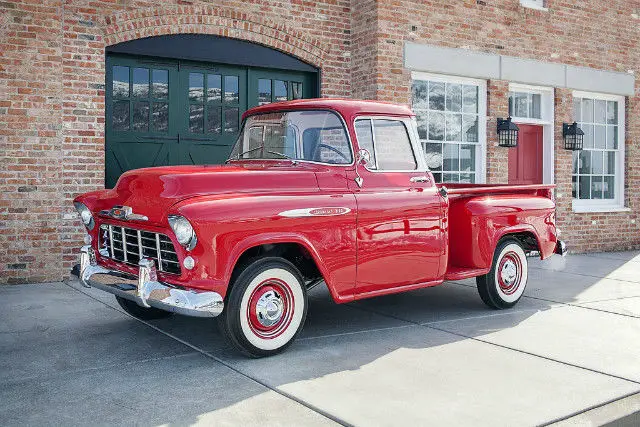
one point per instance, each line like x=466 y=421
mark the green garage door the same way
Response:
x=173 y=112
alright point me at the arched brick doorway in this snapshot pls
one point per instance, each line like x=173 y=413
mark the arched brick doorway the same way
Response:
x=177 y=99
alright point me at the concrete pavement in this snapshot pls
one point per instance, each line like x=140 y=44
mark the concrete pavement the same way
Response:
x=569 y=352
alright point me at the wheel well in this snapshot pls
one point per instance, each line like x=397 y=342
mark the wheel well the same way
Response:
x=295 y=253
x=526 y=238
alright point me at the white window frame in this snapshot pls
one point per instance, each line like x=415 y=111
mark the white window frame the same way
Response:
x=606 y=205
x=535 y=4
x=547 y=114
x=481 y=154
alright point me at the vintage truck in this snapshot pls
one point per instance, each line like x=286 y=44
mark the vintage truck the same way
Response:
x=324 y=190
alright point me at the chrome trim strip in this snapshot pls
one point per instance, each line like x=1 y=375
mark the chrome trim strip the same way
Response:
x=146 y=290
x=123 y=237
x=311 y=212
x=113 y=254
x=140 y=252
x=159 y=251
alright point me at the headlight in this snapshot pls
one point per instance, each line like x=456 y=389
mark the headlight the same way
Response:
x=85 y=215
x=183 y=231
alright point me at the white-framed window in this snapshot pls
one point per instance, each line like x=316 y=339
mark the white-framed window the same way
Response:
x=451 y=119
x=598 y=170
x=534 y=4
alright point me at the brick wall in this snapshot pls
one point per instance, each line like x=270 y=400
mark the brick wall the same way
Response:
x=586 y=33
x=52 y=90
x=52 y=100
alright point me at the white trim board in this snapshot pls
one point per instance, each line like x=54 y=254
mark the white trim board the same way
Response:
x=475 y=64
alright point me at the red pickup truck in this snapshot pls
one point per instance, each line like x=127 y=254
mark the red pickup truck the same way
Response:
x=325 y=190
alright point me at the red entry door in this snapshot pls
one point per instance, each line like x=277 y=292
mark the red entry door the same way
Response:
x=525 y=161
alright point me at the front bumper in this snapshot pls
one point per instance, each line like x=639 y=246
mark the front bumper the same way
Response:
x=146 y=290
x=561 y=248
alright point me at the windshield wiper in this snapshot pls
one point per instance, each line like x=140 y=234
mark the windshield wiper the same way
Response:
x=284 y=156
x=251 y=150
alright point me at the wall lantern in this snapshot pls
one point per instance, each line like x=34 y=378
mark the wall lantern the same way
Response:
x=573 y=136
x=507 y=133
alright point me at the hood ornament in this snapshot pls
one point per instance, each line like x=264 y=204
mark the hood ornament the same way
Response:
x=123 y=213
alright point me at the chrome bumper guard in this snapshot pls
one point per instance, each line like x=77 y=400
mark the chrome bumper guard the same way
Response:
x=561 y=248
x=145 y=289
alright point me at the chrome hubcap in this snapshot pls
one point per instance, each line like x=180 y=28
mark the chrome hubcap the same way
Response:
x=269 y=309
x=509 y=272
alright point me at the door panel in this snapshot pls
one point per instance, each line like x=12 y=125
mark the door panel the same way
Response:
x=141 y=114
x=169 y=112
x=398 y=232
x=526 y=160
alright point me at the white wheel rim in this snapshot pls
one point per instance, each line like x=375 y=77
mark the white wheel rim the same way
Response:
x=511 y=273
x=271 y=309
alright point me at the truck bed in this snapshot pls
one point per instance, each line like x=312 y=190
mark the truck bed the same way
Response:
x=481 y=214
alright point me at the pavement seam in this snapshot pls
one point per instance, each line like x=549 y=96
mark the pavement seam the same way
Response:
x=225 y=364
x=591 y=408
x=355 y=332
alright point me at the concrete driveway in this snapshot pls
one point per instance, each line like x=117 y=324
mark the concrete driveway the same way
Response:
x=438 y=356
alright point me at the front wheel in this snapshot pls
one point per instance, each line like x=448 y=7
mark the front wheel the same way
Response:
x=266 y=307
x=504 y=285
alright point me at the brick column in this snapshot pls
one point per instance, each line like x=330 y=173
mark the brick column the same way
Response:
x=563 y=159
x=497 y=157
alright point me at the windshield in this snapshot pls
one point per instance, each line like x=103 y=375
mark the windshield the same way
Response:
x=317 y=136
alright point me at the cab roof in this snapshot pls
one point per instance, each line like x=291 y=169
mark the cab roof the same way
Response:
x=346 y=107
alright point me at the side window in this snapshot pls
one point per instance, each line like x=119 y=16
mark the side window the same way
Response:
x=364 y=133
x=393 y=146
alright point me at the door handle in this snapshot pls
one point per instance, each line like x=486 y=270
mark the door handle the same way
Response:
x=423 y=178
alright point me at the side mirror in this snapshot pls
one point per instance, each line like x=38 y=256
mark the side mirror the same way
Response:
x=364 y=157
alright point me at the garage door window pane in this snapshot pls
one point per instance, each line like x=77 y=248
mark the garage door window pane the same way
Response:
x=120 y=82
x=264 y=91
x=231 y=93
x=141 y=116
x=296 y=90
x=280 y=90
x=141 y=82
x=160 y=83
x=196 y=87
x=214 y=119
x=214 y=88
x=120 y=116
x=160 y=116
x=196 y=118
x=231 y=120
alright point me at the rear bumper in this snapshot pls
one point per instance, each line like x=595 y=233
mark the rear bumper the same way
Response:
x=561 y=248
x=146 y=290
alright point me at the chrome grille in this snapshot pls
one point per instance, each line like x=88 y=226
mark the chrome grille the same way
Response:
x=129 y=245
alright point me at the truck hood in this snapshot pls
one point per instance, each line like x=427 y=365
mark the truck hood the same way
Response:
x=152 y=191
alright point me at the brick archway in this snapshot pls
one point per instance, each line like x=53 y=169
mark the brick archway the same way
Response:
x=130 y=25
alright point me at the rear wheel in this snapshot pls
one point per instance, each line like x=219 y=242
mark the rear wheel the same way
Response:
x=504 y=285
x=266 y=307
x=142 y=313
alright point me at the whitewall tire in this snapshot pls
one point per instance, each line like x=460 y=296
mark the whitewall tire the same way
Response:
x=505 y=283
x=266 y=307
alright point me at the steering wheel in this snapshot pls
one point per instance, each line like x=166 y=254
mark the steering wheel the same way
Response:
x=335 y=150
